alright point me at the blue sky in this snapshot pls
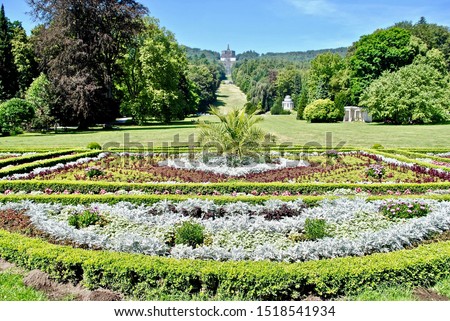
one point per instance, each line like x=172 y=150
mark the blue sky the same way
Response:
x=274 y=25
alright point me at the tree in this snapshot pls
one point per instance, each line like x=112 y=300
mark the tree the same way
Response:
x=433 y=35
x=79 y=46
x=323 y=68
x=417 y=93
x=289 y=82
x=24 y=58
x=8 y=73
x=383 y=50
x=40 y=97
x=155 y=81
x=236 y=134
x=302 y=102
x=14 y=113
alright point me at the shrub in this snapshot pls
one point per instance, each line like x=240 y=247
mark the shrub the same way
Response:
x=94 y=145
x=377 y=146
x=190 y=233
x=376 y=171
x=93 y=172
x=87 y=218
x=14 y=113
x=315 y=228
x=405 y=209
x=322 y=111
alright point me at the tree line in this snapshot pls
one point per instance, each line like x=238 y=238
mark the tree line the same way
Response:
x=401 y=74
x=88 y=62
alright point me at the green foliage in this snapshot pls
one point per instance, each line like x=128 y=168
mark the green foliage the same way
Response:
x=302 y=103
x=405 y=209
x=383 y=50
x=377 y=146
x=235 y=135
x=323 y=69
x=24 y=58
x=40 y=96
x=12 y=288
x=315 y=229
x=93 y=172
x=87 y=218
x=277 y=108
x=15 y=114
x=190 y=233
x=8 y=71
x=41 y=161
x=94 y=145
x=376 y=171
x=416 y=93
x=322 y=111
x=135 y=274
x=155 y=81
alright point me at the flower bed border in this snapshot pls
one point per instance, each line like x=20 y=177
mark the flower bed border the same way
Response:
x=134 y=274
x=86 y=187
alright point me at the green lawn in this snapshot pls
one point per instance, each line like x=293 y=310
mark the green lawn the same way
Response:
x=13 y=289
x=285 y=127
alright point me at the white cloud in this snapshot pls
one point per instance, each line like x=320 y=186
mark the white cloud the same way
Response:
x=314 y=7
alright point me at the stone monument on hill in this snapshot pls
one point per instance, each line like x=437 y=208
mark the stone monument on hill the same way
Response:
x=228 y=58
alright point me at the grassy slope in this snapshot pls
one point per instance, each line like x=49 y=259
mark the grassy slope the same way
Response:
x=286 y=128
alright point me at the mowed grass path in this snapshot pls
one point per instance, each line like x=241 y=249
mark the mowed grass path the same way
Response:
x=286 y=128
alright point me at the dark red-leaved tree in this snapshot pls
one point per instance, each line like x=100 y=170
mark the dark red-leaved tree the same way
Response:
x=78 y=46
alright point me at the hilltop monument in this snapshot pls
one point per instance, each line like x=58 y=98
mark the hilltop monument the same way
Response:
x=228 y=58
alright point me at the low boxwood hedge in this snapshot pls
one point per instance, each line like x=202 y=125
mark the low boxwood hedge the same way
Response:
x=76 y=199
x=86 y=187
x=29 y=166
x=135 y=274
x=34 y=157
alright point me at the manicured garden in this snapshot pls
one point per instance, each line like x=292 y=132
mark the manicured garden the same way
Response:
x=283 y=225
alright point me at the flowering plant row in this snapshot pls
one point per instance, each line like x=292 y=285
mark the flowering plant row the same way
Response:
x=242 y=231
x=129 y=168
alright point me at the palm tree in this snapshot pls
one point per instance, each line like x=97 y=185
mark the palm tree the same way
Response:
x=236 y=134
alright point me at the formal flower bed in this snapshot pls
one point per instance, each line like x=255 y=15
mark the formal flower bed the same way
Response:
x=135 y=168
x=276 y=230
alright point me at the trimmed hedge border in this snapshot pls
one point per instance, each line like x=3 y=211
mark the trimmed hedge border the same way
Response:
x=31 y=158
x=151 y=199
x=134 y=274
x=26 y=167
x=406 y=159
x=85 y=187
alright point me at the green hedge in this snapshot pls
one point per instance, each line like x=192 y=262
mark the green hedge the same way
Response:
x=417 y=155
x=406 y=159
x=31 y=158
x=151 y=199
x=135 y=274
x=86 y=187
x=27 y=167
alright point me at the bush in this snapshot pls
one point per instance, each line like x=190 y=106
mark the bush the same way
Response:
x=94 y=172
x=94 y=145
x=190 y=233
x=87 y=218
x=14 y=113
x=405 y=209
x=377 y=146
x=315 y=229
x=322 y=111
x=376 y=171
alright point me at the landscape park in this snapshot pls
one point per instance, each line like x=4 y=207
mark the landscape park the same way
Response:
x=141 y=169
